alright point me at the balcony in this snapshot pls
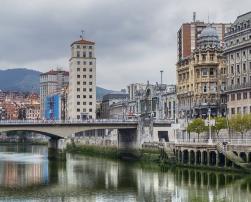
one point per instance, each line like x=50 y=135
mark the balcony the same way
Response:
x=236 y=87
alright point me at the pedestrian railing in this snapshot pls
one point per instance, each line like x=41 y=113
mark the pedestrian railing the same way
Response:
x=234 y=141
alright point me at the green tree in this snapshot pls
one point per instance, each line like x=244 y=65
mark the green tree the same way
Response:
x=197 y=126
x=240 y=123
x=220 y=123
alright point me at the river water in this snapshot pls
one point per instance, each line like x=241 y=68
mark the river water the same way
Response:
x=27 y=175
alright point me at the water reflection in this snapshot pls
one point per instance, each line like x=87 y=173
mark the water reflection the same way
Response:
x=94 y=179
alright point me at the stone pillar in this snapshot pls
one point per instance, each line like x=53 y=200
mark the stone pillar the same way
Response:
x=182 y=157
x=217 y=163
x=189 y=157
x=202 y=158
x=208 y=158
x=56 y=149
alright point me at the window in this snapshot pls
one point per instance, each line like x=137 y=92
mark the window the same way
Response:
x=78 y=96
x=238 y=55
x=90 y=89
x=244 y=53
x=84 y=47
x=84 y=103
x=204 y=72
x=238 y=80
x=84 y=83
x=232 y=57
x=211 y=57
x=84 y=69
x=78 y=82
x=204 y=88
x=78 y=76
x=90 y=63
x=78 y=89
x=78 y=62
x=78 y=46
x=78 y=54
x=250 y=94
x=84 y=76
x=245 y=95
x=78 y=103
x=84 y=54
x=211 y=71
x=90 y=103
x=84 y=89
x=84 y=63
x=245 y=110
x=238 y=110
x=90 y=69
x=84 y=110
x=238 y=69
x=238 y=96
x=78 y=110
x=90 y=83
x=90 y=54
x=90 y=47
x=232 y=111
x=78 y=116
x=244 y=67
x=232 y=97
x=232 y=69
x=78 y=69
x=244 y=80
x=90 y=96
x=90 y=76
x=90 y=110
x=84 y=96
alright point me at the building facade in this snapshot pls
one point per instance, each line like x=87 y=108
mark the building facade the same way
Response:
x=238 y=53
x=112 y=105
x=201 y=78
x=51 y=82
x=82 y=82
x=188 y=35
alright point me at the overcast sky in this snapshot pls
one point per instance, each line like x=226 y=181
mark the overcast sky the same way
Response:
x=135 y=39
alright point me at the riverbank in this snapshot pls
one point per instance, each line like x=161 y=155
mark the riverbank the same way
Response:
x=146 y=157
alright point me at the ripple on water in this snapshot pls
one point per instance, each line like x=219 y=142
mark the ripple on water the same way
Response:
x=22 y=157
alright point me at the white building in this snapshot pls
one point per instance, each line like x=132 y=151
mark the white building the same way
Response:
x=51 y=82
x=82 y=81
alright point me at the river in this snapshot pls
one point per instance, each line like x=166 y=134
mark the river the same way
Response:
x=27 y=175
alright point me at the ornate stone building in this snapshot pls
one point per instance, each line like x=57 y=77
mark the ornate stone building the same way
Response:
x=200 y=78
x=238 y=54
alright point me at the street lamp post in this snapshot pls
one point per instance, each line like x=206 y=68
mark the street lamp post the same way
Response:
x=209 y=125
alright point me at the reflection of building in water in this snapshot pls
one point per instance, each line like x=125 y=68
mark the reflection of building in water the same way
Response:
x=99 y=172
x=23 y=174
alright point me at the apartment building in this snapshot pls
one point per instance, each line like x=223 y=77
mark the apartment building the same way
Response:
x=82 y=81
x=237 y=51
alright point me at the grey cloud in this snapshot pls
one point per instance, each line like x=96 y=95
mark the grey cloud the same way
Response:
x=134 y=38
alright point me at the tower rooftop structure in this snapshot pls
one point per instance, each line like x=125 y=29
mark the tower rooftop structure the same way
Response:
x=209 y=38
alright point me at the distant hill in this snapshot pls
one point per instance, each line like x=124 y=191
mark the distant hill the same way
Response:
x=19 y=79
x=27 y=80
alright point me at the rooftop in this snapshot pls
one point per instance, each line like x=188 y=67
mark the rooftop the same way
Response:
x=83 y=41
x=55 y=72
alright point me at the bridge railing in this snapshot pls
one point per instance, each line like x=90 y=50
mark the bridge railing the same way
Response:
x=15 y=122
x=234 y=141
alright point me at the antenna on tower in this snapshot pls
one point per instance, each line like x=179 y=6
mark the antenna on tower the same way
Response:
x=82 y=34
x=194 y=16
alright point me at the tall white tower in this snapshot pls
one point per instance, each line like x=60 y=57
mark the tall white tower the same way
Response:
x=82 y=81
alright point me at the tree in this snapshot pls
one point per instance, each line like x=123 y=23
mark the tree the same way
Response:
x=197 y=126
x=240 y=123
x=220 y=123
